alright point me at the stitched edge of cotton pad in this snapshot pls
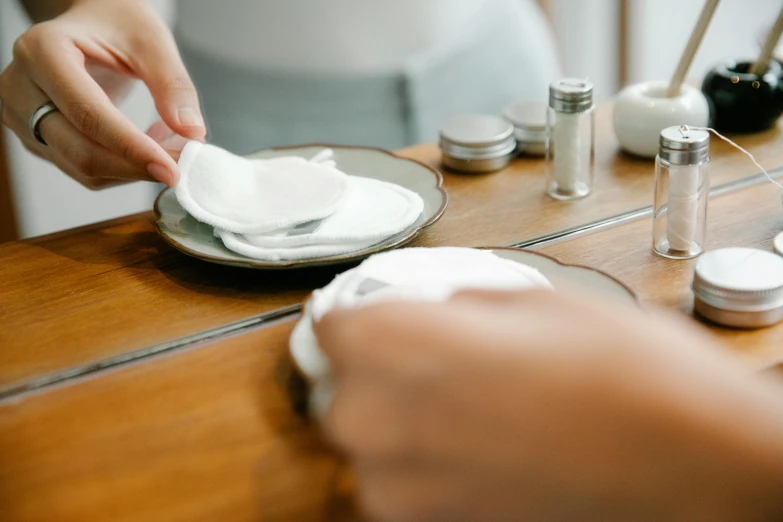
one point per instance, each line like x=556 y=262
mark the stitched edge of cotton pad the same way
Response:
x=236 y=243
x=412 y=213
x=182 y=191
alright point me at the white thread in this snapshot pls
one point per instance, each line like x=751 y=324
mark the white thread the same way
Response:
x=683 y=213
x=727 y=140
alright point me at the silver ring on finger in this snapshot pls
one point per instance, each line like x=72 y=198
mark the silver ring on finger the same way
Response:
x=35 y=120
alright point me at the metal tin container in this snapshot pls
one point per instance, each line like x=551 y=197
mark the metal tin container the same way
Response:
x=477 y=143
x=739 y=287
x=529 y=121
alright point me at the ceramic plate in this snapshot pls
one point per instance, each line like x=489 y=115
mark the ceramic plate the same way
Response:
x=187 y=235
x=310 y=362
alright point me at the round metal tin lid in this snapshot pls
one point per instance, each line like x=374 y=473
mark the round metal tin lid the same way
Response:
x=477 y=131
x=683 y=146
x=740 y=279
x=529 y=115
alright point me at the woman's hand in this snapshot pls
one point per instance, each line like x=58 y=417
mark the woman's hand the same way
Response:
x=540 y=406
x=84 y=61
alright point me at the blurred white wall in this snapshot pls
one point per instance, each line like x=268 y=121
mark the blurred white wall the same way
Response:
x=46 y=199
x=586 y=32
x=659 y=30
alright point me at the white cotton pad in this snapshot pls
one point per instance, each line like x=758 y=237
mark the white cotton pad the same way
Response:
x=429 y=274
x=373 y=210
x=255 y=196
x=239 y=244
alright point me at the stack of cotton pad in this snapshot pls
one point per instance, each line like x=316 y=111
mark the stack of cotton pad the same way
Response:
x=421 y=274
x=290 y=208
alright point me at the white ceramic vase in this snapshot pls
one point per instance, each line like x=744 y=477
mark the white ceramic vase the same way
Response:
x=642 y=111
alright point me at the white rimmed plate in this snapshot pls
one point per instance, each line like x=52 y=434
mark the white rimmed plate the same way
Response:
x=195 y=239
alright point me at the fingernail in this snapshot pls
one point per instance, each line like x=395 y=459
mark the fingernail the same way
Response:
x=189 y=117
x=163 y=174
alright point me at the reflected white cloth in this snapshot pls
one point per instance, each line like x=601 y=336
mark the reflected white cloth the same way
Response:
x=254 y=196
x=417 y=274
x=373 y=210
x=239 y=244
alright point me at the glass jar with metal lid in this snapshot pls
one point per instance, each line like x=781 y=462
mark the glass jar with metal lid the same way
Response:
x=570 y=153
x=739 y=287
x=681 y=192
x=477 y=143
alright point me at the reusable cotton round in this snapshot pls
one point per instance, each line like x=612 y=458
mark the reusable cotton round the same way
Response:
x=239 y=244
x=253 y=196
x=415 y=274
x=373 y=210
x=424 y=274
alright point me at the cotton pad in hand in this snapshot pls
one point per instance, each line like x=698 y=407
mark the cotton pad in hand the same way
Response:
x=430 y=274
x=424 y=274
x=373 y=210
x=253 y=196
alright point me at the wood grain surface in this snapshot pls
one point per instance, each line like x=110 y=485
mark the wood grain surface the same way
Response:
x=82 y=296
x=748 y=218
x=70 y=299
x=213 y=433
x=205 y=434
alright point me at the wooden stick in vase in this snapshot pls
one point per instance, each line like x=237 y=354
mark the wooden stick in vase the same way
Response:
x=693 y=45
x=760 y=67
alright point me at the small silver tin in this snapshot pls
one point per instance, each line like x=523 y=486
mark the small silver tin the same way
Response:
x=477 y=143
x=683 y=146
x=529 y=121
x=739 y=287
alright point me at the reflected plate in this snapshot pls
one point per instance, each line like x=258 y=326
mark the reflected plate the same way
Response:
x=186 y=234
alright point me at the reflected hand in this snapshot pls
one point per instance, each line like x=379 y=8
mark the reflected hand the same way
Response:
x=84 y=61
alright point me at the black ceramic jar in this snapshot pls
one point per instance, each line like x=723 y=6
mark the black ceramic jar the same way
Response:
x=743 y=102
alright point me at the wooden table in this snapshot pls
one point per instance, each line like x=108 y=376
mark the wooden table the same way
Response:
x=139 y=384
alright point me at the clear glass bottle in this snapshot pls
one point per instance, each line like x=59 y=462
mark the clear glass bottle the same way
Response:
x=570 y=147
x=681 y=193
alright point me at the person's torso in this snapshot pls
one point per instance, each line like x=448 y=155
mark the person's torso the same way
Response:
x=349 y=36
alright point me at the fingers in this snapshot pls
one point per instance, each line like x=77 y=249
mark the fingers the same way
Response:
x=501 y=297
x=87 y=156
x=159 y=65
x=57 y=67
x=89 y=163
x=360 y=337
x=173 y=143
x=82 y=159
